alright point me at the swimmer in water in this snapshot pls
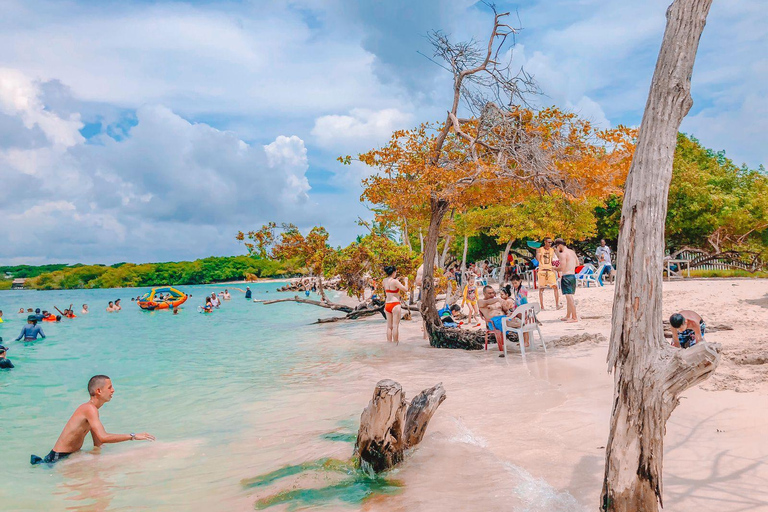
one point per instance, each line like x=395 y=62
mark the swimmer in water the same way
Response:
x=110 y=307
x=21 y=311
x=31 y=331
x=118 y=307
x=247 y=292
x=85 y=309
x=5 y=363
x=86 y=419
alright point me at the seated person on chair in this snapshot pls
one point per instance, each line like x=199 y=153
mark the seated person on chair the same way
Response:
x=491 y=309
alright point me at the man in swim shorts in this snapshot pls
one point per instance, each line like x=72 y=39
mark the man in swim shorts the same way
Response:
x=546 y=275
x=490 y=307
x=687 y=328
x=568 y=262
x=31 y=331
x=86 y=419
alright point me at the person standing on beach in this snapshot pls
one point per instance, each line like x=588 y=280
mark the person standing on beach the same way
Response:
x=547 y=277
x=31 y=331
x=568 y=262
x=86 y=419
x=603 y=255
x=392 y=307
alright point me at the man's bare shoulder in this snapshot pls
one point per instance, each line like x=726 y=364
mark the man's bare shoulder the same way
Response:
x=86 y=410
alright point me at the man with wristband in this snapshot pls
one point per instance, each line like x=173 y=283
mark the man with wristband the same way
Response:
x=86 y=419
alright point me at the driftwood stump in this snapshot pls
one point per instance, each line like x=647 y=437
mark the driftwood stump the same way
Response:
x=422 y=407
x=387 y=429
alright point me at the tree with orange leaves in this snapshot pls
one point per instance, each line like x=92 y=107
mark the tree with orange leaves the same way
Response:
x=502 y=154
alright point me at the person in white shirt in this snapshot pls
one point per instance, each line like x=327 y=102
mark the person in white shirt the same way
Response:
x=603 y=254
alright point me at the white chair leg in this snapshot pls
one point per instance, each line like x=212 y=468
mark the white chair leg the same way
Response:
x=541 y=338
x=506 y=342
x=521 y=339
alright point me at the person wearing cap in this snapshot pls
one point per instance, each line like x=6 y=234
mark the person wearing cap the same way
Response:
x=5 y=363
x=247 y=292
x=31 y=331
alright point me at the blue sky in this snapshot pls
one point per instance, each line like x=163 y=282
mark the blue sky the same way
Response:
x=146 y=131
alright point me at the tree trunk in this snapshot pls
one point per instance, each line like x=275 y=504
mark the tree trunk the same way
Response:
x=503 y=270
x=406 y=236
x=649 y=374
x=320 y=289
x=464 y=261
x=438 y=209
x=387 y=429
x=444 y=255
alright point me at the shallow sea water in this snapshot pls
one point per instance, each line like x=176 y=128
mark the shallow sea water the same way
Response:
x=252 y=407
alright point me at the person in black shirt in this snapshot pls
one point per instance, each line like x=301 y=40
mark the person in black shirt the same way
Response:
x=4 y=362
x=247 y=292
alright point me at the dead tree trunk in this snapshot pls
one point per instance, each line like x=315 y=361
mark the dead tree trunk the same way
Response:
x=387 y=429
x=649 y=374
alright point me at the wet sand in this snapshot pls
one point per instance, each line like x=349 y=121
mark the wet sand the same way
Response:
x=531 y=436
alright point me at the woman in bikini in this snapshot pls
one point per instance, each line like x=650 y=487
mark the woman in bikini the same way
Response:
x=392 y=309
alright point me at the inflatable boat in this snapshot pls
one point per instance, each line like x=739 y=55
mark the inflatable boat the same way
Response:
x=162 y=298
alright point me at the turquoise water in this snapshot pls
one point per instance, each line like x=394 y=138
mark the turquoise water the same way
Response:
x=214 y=389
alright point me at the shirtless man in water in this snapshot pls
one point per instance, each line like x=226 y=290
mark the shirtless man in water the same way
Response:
x=568 y=262
x=86 y=419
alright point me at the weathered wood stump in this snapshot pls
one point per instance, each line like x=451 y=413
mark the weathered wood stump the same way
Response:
x=453 y=337
x=387 y=429
x=422 y=407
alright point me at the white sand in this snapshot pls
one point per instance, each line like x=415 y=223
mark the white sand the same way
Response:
x=531 y=436
x=536 y=433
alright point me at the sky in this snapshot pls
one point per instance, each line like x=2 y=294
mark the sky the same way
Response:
x=155 y=131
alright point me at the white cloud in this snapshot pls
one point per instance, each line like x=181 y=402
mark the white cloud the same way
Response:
x=361 y=129
x=174 y=175
x=20 y=97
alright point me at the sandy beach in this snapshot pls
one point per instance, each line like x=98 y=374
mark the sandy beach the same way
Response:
x=531 y=436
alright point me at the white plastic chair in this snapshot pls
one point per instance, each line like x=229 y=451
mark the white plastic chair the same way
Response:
x=527 y=313
x=589 y=275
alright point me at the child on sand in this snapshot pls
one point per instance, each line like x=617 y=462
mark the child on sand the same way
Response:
x=470 y=298
x=687 y=328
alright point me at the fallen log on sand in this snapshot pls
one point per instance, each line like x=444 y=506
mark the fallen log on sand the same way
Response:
x=387 y=429
x=362 y=310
